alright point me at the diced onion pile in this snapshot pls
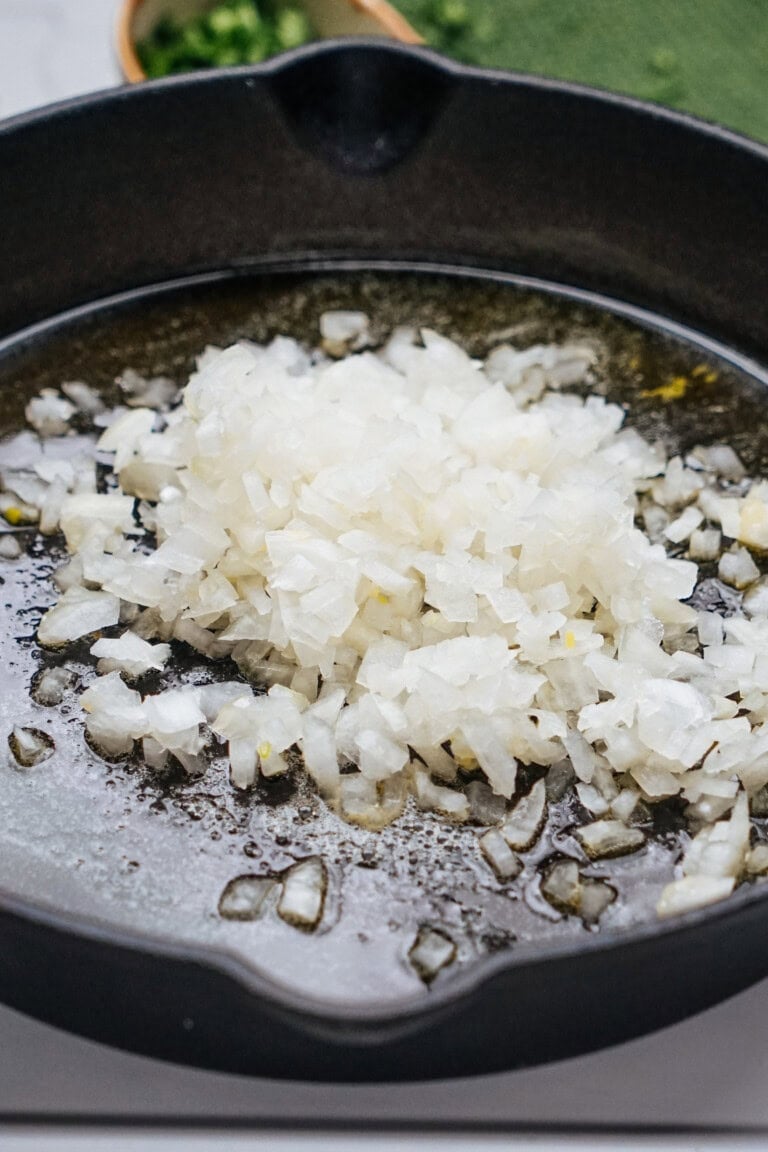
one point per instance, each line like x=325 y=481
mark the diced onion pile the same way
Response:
x=430 y=562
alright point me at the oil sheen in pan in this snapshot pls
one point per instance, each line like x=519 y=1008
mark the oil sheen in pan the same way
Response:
x=118 y=843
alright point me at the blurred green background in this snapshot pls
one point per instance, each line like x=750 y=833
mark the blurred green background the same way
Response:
x=709 y=57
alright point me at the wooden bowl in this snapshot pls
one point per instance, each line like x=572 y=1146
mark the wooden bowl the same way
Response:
x=330 y=17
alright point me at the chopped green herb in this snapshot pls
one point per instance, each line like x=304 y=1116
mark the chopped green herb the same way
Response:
x=293 y=28
x=230 y=33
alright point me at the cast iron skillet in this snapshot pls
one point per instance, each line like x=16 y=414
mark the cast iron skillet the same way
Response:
x=362 y=154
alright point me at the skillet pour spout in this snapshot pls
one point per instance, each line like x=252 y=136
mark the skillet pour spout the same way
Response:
x=365 y=155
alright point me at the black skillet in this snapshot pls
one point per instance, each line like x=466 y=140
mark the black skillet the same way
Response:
x=366 y=156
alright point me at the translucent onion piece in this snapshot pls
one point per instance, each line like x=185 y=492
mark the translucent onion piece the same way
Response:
x=431 y=951
x=303 y=895
x=523 y=825
x=30 y=746
x=245 y=897
x=608 y=838
x=499 y=855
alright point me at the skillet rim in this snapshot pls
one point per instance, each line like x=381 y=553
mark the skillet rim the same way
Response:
x=461 y=987
x=288 y=61
x=468 y=982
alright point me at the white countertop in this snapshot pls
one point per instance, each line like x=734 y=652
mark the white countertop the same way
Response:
x=53 y=49
x=708 y=1073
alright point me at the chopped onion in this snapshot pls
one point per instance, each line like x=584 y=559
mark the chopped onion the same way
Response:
x=10 y=549
x=756 y=599
x=30 y=746
x=720 y=849
x=710 y=629
x=572 y=894
x=561 y=886
x=156 y=392
x=439 y=763
x=303 y=895
x=370 y=804
x=84 y=398
x=444 y=800
x=130 y=654
x=705 y=544
x=682 y=528
x=343 y=327
x=607 y=838
x=523 y=825
x=753 y=519
x=434 y=566
x=78 y=613
x=693 y=892
x=595 y=897
x=149 y=481
x=431 y=951
x=245 y=897
x=49 y=413
x=756 y=863
x=592 y=799
x=51 y=686
x=738 y=568
x=624 y=806
x=722 y=459
x=499 y=855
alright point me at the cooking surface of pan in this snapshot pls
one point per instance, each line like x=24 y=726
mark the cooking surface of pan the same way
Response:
x=112 y=877
x=154 y=852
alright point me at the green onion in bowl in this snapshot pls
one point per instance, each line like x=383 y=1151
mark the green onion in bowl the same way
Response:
x=231 y=33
